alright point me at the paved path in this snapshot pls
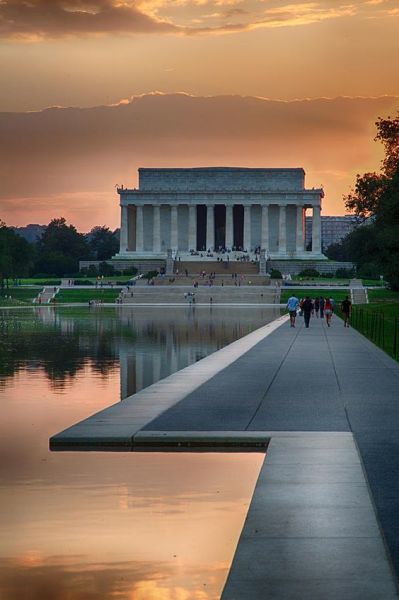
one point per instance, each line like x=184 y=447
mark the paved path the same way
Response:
x=311 y=532
x=316 y=379
x=329 y=381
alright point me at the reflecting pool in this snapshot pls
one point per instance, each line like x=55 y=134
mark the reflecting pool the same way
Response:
x=77 y=526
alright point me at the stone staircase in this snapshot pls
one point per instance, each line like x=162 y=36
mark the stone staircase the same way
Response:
x=358 y=292
x=46 y=295
x=220 y=268
x=203 y=295
x=218 y=280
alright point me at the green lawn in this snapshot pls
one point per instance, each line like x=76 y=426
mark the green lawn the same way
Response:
x=383 y=295
x=379 y=322
x=73 y=295
x=320 y=280
x=42 y=281
x=57 y=280
x=19 y=295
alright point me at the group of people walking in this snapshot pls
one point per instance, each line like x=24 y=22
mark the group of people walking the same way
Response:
x=307 y=307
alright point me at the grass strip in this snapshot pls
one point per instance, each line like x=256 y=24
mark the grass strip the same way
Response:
x=72 y=295
x=379 y=322
x=14 y=296
x=336 y=295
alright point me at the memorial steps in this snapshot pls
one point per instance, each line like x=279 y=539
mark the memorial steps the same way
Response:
x=203 y=294
x=218 y=267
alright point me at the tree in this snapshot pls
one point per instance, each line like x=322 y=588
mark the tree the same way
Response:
x=15 y=254
x=377 y=195
x=365 y=199
x=60 y=248
x=103 y=243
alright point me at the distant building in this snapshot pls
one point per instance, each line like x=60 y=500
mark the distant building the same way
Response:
x=333 y=229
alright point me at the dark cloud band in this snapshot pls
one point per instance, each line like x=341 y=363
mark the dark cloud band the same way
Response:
x=55 y=18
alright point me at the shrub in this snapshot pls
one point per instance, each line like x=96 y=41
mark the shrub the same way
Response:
x=276 y=274
x=369 y=271
x=44 y=276
x=309 y=273
x=75 y=275
x=91 y=271
x=105 y=269
x=150 y=274
x=344 y=273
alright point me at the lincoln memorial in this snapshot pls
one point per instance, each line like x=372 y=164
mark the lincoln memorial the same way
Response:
x=219 y=208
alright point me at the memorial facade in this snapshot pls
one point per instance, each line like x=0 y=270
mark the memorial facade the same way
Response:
x=219 y=208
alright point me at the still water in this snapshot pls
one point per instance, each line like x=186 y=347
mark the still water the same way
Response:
x=99 y=526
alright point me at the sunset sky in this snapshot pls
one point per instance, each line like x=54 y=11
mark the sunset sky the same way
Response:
x=239 y=82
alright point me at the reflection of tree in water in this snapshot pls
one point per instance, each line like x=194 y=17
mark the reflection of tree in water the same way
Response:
x=63 y=342
x=61 y=348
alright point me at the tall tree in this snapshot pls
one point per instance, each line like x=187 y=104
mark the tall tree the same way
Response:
x=103 y=242
x=15 y=254
x=60 y=248
x=376 y=195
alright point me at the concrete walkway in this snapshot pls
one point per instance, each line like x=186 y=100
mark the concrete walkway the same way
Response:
x=332 y=393
x=311 y=531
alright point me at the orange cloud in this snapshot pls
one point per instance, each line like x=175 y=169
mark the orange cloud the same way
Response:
x=68 y=160
x=41 y=19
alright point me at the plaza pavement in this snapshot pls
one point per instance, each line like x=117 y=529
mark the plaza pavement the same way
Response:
x=326 y=504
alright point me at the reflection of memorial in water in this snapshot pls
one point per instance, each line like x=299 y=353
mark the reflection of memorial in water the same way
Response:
x=170 y=339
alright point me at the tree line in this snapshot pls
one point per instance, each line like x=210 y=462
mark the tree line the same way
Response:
x=374 y=245
x=56 y=252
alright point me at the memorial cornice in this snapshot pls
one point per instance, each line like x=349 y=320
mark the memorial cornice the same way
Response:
x=123 y=191
x=304 y=197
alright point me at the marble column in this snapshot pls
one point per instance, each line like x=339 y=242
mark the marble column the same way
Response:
x=210 y=227
x=192 y=227
x=282 y=238
x=299 y=229
x=265 y=228
x=123 y=245
x=247 y=228
x=173 y=227
x=156 y=236
x=229 y=238
x=139 y=229
x=316 y=230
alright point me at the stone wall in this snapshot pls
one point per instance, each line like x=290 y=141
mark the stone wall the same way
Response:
x=294 y=267
x=221 y=179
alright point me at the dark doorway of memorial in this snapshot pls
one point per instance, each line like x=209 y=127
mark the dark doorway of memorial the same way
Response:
x=220 y=226
x=238 y=226
x=201 y=227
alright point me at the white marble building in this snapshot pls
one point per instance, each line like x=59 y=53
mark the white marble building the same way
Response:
x=219 y=207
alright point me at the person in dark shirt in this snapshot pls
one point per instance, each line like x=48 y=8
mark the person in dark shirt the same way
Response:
x=316 y=307
x=346 y=307
x=307 y=308
x=321 y=304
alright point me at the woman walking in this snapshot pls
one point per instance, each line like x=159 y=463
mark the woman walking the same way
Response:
x=328 y=311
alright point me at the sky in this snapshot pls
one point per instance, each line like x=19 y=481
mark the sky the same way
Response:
x=186 y=83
